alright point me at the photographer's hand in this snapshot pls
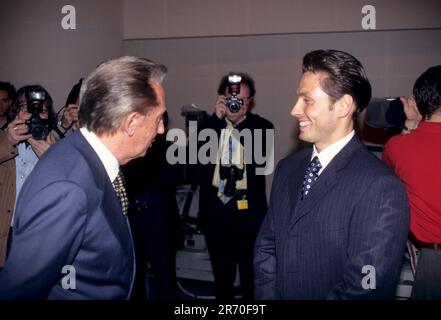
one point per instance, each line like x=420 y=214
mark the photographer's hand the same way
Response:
x=17 y=131
x=39 y=146
x=70 y=116
x=220 y=108
x=413 y=117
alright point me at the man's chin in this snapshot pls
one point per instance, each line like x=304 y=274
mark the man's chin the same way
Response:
x=233 y=118
x=303 y=137
x=142 y=154
x=139 y=155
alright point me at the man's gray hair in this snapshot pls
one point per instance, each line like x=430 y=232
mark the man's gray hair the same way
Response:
x=116 y=88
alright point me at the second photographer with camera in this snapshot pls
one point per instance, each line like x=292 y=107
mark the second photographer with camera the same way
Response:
x=233 y=199
x=27 y=136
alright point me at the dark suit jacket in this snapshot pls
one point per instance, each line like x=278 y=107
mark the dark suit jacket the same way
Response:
x=154 y=220
x=355 y=215
x=68 y=214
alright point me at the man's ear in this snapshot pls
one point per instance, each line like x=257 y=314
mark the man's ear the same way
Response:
x=345 y=106
x=251 y=104
x=129 y=123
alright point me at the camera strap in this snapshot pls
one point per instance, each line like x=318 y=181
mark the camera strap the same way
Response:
x=58 y=131
x=230 y=153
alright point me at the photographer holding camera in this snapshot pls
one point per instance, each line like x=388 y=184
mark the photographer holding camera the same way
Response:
x=232 y=197
x=68 y=115
x=27 y=136
x=413 y=157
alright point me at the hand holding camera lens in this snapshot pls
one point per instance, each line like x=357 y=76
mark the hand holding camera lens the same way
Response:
x=17 y=131
x=39 y=127
x=39 y=146
x=70 y=117
x=220 y=109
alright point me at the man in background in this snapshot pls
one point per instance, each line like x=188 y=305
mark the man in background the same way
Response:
x=232 y=196
x=414 y=157
x=7 y=95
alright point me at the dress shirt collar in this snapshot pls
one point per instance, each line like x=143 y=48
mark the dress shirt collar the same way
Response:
x=107 y=158
x=331 y=151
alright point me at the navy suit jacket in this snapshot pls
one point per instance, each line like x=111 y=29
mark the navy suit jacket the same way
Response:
x=344 y=239
x=68 y=214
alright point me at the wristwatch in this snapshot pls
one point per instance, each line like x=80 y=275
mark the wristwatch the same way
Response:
x=60 y=125
x=407 y=130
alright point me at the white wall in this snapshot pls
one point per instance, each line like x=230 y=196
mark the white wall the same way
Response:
x=275 y=36
x=148 y=19
x=36 y=49
x=393 y=60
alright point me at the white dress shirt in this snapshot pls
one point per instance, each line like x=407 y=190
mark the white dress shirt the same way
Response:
x=107 y=158
x=331 y=151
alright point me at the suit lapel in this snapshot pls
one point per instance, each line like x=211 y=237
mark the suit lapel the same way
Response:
x=295 y=181
x=324 y=184
x=111 y=206
x=117 y=220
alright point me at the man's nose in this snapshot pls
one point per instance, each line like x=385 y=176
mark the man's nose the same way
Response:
x=297 y=109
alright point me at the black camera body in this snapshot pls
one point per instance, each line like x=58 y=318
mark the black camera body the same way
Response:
x=39 y=128
x=234 y=103
x=385 y=113
x=231 y=174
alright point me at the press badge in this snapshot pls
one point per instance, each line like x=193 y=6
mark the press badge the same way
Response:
x=242 y=204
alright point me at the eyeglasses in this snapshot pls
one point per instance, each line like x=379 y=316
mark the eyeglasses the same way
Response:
x=23 y=107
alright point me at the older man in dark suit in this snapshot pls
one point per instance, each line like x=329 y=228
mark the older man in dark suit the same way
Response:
x=338 y=219
x=71 y=235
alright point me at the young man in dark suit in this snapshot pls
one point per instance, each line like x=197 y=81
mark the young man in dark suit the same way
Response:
x=71 y=236
x=338 y=219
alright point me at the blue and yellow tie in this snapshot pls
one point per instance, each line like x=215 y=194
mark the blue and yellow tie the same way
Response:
x=120 y=189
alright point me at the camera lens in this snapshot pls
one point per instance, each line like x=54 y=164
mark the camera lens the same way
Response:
x=35 y=107
x=38 y=128
x=234 y=104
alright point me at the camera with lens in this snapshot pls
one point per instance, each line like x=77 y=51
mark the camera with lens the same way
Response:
x=234 y=103
x=39 y=128
x=231 y=174
x=385 y=113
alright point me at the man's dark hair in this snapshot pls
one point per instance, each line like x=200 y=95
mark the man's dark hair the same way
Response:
x=427 y=91
x=9 y=88
x=344 y=74
x=246 y=79
x=115 y=89
x=15 y=108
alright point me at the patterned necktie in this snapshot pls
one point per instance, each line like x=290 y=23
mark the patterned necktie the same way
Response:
x=120 y=189
x=311 y=175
